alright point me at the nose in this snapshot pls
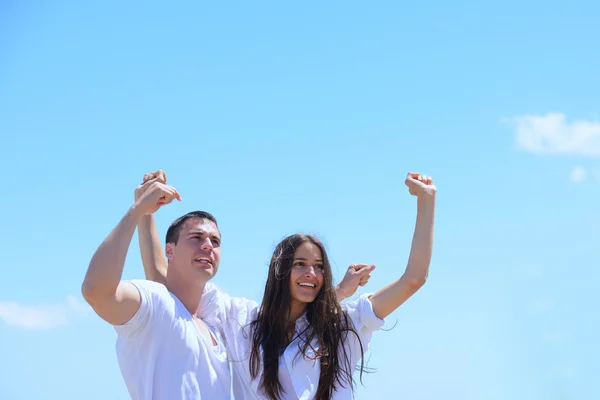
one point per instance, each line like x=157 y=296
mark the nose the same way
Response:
x=206 y=244
x=309 y=271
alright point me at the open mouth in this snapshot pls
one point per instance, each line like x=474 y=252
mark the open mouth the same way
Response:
x=307 y=284
x=203 y=260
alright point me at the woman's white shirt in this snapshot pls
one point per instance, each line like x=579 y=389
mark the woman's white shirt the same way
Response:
x=298 y=375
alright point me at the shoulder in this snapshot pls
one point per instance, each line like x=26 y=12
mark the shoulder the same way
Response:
x=154 y=300
x=152 y=293
x=216 y=306
x=149 y=287
x=360 y=312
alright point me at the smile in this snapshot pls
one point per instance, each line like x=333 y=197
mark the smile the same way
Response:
x=307 y=284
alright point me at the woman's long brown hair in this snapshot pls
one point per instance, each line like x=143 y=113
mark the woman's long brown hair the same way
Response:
x=326 y=322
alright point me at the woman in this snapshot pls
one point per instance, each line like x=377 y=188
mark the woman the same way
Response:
x=300 y=343
x=300 y=316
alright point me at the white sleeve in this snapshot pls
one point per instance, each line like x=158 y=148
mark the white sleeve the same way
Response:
x=362 y=315
x=217 y=307
x=140 y=320
x=365 y=322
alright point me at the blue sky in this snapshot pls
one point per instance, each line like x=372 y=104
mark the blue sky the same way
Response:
x=280 y=117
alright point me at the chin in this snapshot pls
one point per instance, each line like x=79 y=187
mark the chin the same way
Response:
x=205 y=273
x=305 y=300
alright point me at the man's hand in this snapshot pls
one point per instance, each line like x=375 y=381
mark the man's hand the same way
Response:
x=356 y=275
x=420 y=185
x=159 y=175
x=154 y=195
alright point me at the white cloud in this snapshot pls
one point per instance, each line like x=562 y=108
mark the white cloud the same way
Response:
x=578 y=174
x=41 y=317
x=553 y=134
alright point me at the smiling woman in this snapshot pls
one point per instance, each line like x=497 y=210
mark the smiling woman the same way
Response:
x=300 y=284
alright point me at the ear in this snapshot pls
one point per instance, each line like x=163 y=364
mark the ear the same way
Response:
x=169 y=251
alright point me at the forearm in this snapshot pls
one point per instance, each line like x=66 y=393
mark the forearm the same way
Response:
x=388 y=299
x=106 y=267
x=153 y=259
x=419 y=259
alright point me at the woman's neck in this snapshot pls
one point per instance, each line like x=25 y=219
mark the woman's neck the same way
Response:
x=296 y=310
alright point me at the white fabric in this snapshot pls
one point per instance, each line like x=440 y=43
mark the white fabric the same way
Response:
x=299 y=376
x=163 y=355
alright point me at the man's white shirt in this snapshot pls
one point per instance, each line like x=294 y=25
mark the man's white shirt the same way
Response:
x=162 y=354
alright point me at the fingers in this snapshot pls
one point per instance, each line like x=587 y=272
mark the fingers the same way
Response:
x=362 y=268
x=169 y=193
x=426 y=179
x=149 y=182
x=415 y=176
x=175 y=193
x=158 y=174
x=161 y=175
x=366 y=274
x=164 y=194
x=363 y=271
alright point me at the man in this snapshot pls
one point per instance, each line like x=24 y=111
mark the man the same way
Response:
x=164 y=350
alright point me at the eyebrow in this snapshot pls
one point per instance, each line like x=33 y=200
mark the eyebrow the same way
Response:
x=306 y=259
x=201 y=232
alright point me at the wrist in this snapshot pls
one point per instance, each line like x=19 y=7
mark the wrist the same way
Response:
x=136 y=213
x=427 y=196
x=146 y=219
x=341 y=293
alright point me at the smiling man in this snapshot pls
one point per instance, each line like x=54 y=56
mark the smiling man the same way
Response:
x=164 y=350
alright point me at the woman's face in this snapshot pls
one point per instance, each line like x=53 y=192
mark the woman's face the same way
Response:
x=306 y=276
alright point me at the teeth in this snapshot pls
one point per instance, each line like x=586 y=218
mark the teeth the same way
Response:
x=203 y=259
x=307 y=284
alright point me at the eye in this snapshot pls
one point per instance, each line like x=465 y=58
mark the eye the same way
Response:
x=216 y=242
x=320 y=266
x=298 y=264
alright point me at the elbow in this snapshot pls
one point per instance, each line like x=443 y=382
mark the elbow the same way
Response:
x=92 y=293
x=88 y=292
x=416 y=282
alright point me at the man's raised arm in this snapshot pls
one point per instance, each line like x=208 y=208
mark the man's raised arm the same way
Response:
x=153 y=258
x=113 y=300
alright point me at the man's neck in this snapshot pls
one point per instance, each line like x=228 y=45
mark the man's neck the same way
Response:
x=188 y=292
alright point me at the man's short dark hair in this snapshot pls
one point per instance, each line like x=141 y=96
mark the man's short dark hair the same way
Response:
x=175 y=228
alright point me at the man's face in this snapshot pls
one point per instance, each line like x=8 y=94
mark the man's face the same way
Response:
x=198 y=250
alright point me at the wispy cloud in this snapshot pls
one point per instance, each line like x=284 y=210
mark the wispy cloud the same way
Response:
x=578 y=174
x=41 y=317
x=552 y=133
